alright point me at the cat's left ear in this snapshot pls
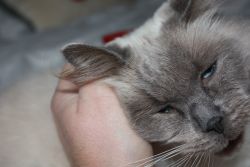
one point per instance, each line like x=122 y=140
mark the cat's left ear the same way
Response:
x=90 y=63
x=189 y=10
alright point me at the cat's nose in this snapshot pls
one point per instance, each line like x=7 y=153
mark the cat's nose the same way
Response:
x=215 y=124
x=209 y=118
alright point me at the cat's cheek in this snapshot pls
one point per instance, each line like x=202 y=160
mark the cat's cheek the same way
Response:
x=234 y=128
x=237 y=113
x=154 y=129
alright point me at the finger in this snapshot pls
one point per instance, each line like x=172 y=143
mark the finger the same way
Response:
x=95 y=123
x=102 y=116
x=98 y=101
x=101 y=98
x=65 y=92
x=66 y=84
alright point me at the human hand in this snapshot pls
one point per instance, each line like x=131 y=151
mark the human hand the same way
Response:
x=93 y=127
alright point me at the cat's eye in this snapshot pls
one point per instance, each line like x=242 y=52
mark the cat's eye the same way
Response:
x=167 y=109
x=209 y=72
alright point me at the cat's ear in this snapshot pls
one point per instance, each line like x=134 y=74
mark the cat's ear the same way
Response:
x=90 y=63
x=189 y=10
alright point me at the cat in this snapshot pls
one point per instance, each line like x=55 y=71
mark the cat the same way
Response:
x=182 y=78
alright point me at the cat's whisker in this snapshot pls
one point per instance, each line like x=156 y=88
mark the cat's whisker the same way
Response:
x=200 y=160
x=166 y=156
x=163 y=158
x=158 y=156
x=187 y=162
x=209 y=159
x=213 y=162
x=181 y=161
x=178 y=162
x=195 y=160
x=205 y=159
x=181 y=164
x=151 y=158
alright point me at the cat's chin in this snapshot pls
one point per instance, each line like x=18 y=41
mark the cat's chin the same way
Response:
x=232 y=147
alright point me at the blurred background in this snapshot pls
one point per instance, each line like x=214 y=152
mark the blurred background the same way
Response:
x=32 y=32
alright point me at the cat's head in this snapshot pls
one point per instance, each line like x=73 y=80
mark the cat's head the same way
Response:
x=181 y=76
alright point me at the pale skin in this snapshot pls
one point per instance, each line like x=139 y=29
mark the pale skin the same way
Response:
x=93 y=127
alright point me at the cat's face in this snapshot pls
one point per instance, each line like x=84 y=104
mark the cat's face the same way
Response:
x=185 y=84
x=192 y=91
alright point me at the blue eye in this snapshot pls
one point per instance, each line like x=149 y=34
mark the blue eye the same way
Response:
x=166 y=109
x=209 y=72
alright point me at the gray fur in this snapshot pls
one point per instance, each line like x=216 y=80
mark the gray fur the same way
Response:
x=162 y=69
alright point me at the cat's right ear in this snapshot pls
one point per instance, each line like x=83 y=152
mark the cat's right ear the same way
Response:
x=90 y=63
